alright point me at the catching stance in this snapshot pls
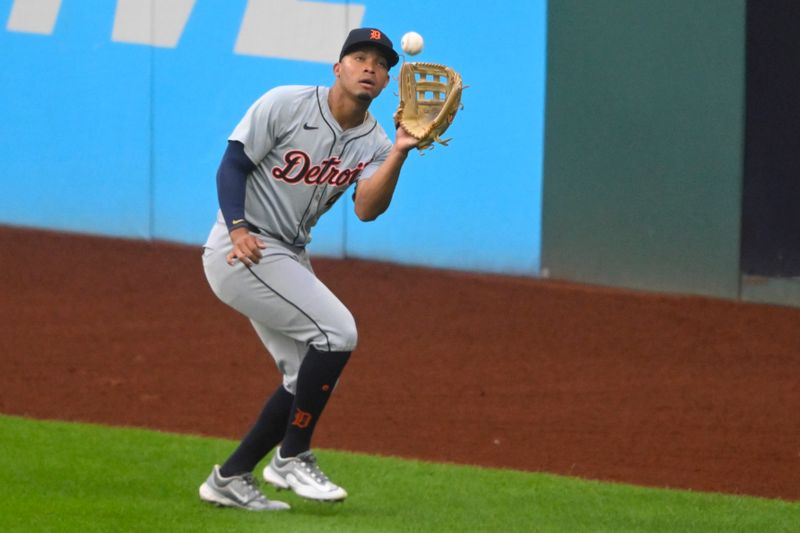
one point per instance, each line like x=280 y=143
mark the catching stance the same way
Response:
x=293 y=154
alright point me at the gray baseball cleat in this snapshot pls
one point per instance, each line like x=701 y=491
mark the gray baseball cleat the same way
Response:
x=237 y=491
x=303 y=475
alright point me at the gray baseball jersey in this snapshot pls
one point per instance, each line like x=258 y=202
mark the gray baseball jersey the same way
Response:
x=304 y=163
x=304 y=160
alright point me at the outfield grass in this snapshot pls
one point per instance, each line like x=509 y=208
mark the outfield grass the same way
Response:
x=72 y=477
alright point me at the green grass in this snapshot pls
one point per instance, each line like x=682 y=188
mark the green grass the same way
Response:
x=73 y=477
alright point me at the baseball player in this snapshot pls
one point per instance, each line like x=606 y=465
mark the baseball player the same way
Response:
x=293 y=154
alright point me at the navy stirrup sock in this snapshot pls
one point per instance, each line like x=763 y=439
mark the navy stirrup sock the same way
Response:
x=265 y=434
x=316 y=379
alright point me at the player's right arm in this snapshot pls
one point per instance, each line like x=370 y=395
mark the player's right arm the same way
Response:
x=249 y=143
x=231 y=186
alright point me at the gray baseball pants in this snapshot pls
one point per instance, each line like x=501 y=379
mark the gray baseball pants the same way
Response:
x=289 y=307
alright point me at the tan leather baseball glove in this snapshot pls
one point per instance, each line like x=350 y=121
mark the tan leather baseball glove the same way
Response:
x=430 y=96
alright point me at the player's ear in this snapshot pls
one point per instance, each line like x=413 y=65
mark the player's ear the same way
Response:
x=336 y=67
x=386 y=83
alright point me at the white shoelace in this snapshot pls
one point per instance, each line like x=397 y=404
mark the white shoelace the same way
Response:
x=251 y=485
x=309 y=462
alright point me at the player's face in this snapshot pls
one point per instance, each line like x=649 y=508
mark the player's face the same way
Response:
x=363 y=73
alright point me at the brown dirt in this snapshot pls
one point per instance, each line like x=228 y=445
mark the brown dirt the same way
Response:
x=657 y=390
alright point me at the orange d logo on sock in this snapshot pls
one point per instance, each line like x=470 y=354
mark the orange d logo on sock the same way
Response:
x=301 y=419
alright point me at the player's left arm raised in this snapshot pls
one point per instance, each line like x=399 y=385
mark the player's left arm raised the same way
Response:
x=374 y=195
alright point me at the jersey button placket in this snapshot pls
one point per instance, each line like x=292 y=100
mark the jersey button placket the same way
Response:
x=320 y=191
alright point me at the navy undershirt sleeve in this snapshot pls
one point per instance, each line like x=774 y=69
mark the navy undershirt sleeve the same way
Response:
x=231 y=184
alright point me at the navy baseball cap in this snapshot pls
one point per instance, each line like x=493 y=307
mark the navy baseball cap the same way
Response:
x=370 y=36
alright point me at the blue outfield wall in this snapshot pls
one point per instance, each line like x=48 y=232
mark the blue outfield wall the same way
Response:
x=112 y=128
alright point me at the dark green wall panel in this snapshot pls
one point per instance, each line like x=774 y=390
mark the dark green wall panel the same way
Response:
x=643 y=144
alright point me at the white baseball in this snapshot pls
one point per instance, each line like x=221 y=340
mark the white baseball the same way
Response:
x=412 y=43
